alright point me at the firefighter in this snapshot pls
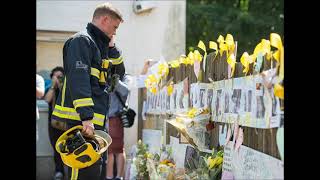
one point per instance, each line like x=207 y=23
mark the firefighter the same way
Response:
x=83 y=99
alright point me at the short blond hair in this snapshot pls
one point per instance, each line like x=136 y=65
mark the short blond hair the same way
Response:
x=107 y=9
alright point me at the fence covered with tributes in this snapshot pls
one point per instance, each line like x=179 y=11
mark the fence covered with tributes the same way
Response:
x=205 y=115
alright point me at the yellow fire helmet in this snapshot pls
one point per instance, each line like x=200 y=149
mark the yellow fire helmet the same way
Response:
x=78 y=151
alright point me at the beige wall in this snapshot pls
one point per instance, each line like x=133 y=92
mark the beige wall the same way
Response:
x=159 y=33
x=49 y=49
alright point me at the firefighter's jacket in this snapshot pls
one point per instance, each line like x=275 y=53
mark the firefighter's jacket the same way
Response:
x=85 y=61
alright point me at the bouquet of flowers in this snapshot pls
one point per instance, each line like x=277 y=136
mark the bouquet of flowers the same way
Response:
x=209 y=167
x=165 y=165
x=140 y=160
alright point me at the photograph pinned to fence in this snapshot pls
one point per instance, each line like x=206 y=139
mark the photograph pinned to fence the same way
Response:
x=195 y=91
x=218 y=109
x=226 y=98
x=168 y=97
x=260 y=107
x=185 y=100
x=203 y=94
x=179 y=97
x=163 y=100
x=173 y=99
x=158 y=103
x=209 y=96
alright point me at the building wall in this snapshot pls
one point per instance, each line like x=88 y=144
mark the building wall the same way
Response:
x=156 y=34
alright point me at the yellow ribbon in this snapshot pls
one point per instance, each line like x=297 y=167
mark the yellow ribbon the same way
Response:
x=264 y=48
x=186 y=60
x=232 y=62
x=197 y=56
x=276 y=42
x=174 y=63
x=278 y=91
x=163 y=69
x=151 y=83
x=203 y=47
x=230 y=43
x=246 y=60
x=213 y=45
x=190 y=58
x=226 y=45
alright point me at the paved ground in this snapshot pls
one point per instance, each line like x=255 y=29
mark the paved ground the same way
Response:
x=45 y=168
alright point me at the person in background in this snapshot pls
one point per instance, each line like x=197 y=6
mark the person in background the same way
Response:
x=57 y=75
x=116 y=154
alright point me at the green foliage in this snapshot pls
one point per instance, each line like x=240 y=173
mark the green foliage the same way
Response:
x=248 y=21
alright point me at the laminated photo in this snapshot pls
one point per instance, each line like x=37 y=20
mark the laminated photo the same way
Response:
x=195 y=93
x=168 y=103
x=173 y=99
x=185 y=100
x=209 y=95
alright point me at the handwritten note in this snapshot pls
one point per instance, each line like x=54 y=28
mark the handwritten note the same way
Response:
x=228 y=136
x=227 y=162
x=227 y=175
x=248 y=163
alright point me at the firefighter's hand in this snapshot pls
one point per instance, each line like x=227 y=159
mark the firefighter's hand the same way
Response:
x=111 y=43
x=88 y=128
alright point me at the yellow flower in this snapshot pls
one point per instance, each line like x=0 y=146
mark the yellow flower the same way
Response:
x=212 y=162
x=163 y=69
x=219 y=160
x=153 y=90
x=192 y=112
x=170 y=89
x=171 y=164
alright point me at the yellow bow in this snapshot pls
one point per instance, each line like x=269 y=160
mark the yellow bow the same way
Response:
x=276 y=42
x=213 y=45
x=278 y=91
x=174 y=63
x=163 y=69
x=191 y=58
x=185 y=59
x=232 y=62
x=264 y=48
x=151 y=83
x=197 y=56
x=226 y=45
x=103 y=74
x=203 y=47
x=246 y=60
